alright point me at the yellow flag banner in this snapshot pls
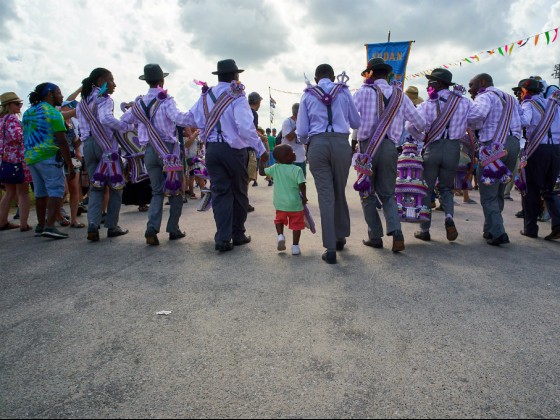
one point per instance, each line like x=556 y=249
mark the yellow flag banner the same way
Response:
x=504 y=50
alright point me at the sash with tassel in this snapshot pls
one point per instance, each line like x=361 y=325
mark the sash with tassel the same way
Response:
x=362 y=162
x=224 y=100
x=134 y=155
x=171 y=161
x=541 y=130
x=441 y=121
x=491 y=155
x=109 y=167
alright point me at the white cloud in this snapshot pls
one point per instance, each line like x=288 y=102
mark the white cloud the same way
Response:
x=275 y=42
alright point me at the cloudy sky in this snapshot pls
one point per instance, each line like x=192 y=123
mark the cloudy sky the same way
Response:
x=276 y=42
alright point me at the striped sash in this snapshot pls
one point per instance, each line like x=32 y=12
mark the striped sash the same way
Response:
x=541 y=130
x=327 y=99
x=134 y=154
x=363 y=161
x=171 y=160
x=224 y=100
x=109 y=167
x=496 y=151
x=441 y=121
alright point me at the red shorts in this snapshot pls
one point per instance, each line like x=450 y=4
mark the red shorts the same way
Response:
x=295 y=220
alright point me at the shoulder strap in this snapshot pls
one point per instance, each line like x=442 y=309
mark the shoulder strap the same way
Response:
x=96 y=127
x=505 y=120
x=443 y=118
x=147 y=108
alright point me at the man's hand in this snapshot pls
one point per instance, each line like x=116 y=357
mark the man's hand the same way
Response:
x=304 y=199
x=264 y=158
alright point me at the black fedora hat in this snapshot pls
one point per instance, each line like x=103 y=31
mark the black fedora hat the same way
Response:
x=153 y=73
x=378 y=64
x=441 y=75
x=227 y=66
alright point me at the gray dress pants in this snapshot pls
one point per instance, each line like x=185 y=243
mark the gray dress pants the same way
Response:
x=441 y=159
x=492 y=197
x=383 y=181
x=330 y=157
x=92 y=156
x=230 y=181
x=154 y=166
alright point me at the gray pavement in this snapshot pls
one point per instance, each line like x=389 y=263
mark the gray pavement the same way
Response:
x=441 y=330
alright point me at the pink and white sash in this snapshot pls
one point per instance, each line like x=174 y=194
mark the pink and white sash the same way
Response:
x=109 y=167
x=363 y=161
x=171 y=160
x=441 y=121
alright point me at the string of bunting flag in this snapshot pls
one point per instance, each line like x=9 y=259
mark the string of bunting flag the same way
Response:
x=504 y=50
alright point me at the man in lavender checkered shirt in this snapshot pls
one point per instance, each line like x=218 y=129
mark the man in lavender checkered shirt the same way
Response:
x=485 y=115
x=164 y=118
x=384 y=163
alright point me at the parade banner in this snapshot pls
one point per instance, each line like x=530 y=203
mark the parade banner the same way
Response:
x=393 y=53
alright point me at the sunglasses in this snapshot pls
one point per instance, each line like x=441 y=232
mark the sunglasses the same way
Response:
x=18 y=104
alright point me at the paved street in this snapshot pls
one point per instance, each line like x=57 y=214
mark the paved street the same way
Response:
x=441 y=330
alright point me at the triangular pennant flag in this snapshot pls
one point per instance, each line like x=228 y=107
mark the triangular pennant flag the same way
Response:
x=511 y=48
x=536 y=39
x=467 y=60
x=547 y=38
x=501 y=51
x=555 y=34
x=522 y=43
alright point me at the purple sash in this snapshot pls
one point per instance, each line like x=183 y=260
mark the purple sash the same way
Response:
x=109 y=166
x=541 y=130
x=171 y=161
x=224 y=100
x=442 y=119
x=363 y=161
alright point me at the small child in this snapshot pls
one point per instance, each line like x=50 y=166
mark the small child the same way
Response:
x=289 y=195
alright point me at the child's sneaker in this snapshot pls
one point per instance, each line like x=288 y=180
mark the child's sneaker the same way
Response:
x=296 y=250
x=281 y=243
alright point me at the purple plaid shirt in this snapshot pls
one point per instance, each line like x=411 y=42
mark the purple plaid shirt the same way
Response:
x=429 y=111
x=165 y=120
x=530 y=118
x=366 y=103
x=105 y=108
x=485 y=114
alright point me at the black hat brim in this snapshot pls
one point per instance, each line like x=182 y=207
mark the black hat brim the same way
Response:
x=144 y=77
x=228 y=71
x=437 y=79
x=387 y=67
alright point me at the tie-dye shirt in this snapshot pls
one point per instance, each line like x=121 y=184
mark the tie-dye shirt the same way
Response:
x=40 y=122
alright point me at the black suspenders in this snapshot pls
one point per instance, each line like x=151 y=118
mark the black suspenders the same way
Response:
x=218 y=125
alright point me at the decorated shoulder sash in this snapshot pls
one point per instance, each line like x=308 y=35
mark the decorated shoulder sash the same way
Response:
x=109 y=167
x=220 y=105
x=327 y=98
x=541 y=130
x=363 y=161
x=441 y=121
x=490 y=156
x=171 y=161
x=134 y=154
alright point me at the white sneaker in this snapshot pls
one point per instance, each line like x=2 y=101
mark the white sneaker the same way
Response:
x=296 y=250
x=281 y=243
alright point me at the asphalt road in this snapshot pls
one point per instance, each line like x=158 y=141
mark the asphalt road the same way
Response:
x=441 y=330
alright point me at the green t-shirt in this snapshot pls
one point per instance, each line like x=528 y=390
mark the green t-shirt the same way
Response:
x=287 y=179
x=40 y=122
x=271 y=142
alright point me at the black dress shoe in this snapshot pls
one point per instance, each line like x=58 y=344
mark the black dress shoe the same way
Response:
x=242 y=240
x=250 y=208
x=520 y=214
x=451 y=230
x=529 y=235
x=340 y=244
x=501 y=240
x=555 y=234
x=152 y=239
x=374 y=243
x=173 y=236
x=487 y=235
x=224 y=247
x=118 y=231
x=423 y=236
x=329 y=257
